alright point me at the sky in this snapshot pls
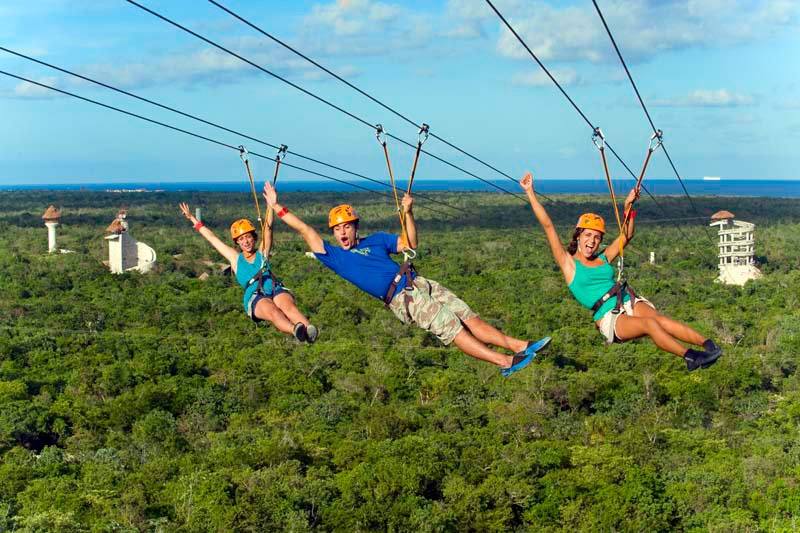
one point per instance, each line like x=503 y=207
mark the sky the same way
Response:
x=721 y=78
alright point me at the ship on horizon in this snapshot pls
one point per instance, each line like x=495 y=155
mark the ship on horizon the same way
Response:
x=711 y=178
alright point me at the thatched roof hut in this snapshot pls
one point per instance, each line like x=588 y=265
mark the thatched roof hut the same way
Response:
x=51 y=214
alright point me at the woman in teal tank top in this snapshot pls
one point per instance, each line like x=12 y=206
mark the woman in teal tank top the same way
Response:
x=265 y=299
x=589 y=276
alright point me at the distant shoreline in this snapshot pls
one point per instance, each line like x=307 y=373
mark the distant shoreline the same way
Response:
x=701 y=187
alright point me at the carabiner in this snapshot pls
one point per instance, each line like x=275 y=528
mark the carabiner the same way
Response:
x=423 y=133
x=621 y=276
x=658 y=137
x=379 y=131
x=409 y=254
x=598 y=134
x=243 y=153
x=281 y=153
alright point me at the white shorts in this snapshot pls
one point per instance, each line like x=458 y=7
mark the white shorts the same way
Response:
x=608 y=324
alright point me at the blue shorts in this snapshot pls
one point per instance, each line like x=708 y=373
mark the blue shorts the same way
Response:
x=257 y=296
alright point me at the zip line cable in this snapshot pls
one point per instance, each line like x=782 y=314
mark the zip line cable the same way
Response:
x=360 y=91
x=578 y=109
x=194 y=117
x=318 y=98
x=197 y=135
x=641 y=102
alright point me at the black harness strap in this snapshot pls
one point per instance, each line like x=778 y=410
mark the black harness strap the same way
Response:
x=617 y=291
x=405 y=270
x=259 y=277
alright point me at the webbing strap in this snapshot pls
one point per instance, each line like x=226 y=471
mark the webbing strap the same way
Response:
x=423 y=136
x=600 y=141
x=262 y=225
x=405 y=270
x=655 y=141
x=380 y=134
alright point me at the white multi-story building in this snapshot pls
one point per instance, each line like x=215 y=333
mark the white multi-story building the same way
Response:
x=737 y=262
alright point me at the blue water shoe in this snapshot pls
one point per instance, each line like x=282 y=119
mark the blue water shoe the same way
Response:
x=534 y=347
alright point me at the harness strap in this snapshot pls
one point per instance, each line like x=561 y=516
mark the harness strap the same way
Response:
x=617 y=291
x=405 y=270
x=259 y=277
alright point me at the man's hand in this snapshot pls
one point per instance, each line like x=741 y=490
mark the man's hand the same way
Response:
x=408 y=202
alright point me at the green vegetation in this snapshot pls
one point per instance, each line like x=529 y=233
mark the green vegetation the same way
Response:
x=151 y=403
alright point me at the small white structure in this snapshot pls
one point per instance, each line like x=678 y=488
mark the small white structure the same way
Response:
x=124 y=252
x=737 y=262
x=52 y=217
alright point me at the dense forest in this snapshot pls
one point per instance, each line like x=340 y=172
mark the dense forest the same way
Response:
x=150 y=402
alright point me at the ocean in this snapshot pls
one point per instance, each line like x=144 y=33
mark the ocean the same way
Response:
x=771 y=188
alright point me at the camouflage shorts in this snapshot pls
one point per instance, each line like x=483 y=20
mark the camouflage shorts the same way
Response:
x=433 y=308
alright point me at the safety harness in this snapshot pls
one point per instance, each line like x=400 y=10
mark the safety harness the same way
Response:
x=259 y=278
x=621 y=285
x=265 y=269
x=407 y=268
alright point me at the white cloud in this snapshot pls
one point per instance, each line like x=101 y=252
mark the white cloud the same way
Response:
x=641 y=28
x=347 y=72
x=538 y=78
x=466 y=30
x=29 y=90
x=353 y=17
x=707 y=98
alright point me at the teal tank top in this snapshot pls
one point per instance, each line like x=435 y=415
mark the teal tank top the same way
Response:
x=591 y=283
x=245 y=271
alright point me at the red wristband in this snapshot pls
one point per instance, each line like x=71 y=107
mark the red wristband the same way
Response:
x=283 y=212
x=199 y=225
x=633 y=214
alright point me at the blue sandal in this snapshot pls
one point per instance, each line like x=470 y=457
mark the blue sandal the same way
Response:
x=524 y=358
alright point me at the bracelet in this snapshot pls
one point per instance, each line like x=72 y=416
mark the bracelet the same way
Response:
x=283 y=212
x=199 y=225
x=633 y=214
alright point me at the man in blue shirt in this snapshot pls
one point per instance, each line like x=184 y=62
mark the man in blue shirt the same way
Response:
x=366 y=263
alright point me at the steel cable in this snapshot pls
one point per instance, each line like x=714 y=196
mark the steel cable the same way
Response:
x=318 y=98
x=578 y=109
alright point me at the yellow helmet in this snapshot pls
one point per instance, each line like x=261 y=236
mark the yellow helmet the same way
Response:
x=591 y=221
x=240 y=227
x=341 y=214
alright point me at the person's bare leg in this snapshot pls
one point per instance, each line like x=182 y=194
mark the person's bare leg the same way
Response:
x=632 y=327
x=285 y=303
x=673 y=327
x=488 y=334
x=267 y=310
x=471 y=346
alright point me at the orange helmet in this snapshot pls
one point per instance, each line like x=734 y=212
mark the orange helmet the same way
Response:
x=591 y=221
x=240 y=227
x=341 y=214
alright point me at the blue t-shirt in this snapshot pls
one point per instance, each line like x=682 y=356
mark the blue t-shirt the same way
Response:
x=366 y=265
x=245 y=270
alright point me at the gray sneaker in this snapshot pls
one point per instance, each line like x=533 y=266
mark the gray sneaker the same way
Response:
x=312 y=332
x=300 y=332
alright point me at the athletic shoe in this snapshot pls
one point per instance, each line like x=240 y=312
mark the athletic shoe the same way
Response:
x=696 y=359
x=300 y=332
x=520 y=361
x=535 y=347
x=712 y=347
x=311 y=333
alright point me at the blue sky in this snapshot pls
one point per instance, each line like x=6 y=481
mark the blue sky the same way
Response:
x=721 y=78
